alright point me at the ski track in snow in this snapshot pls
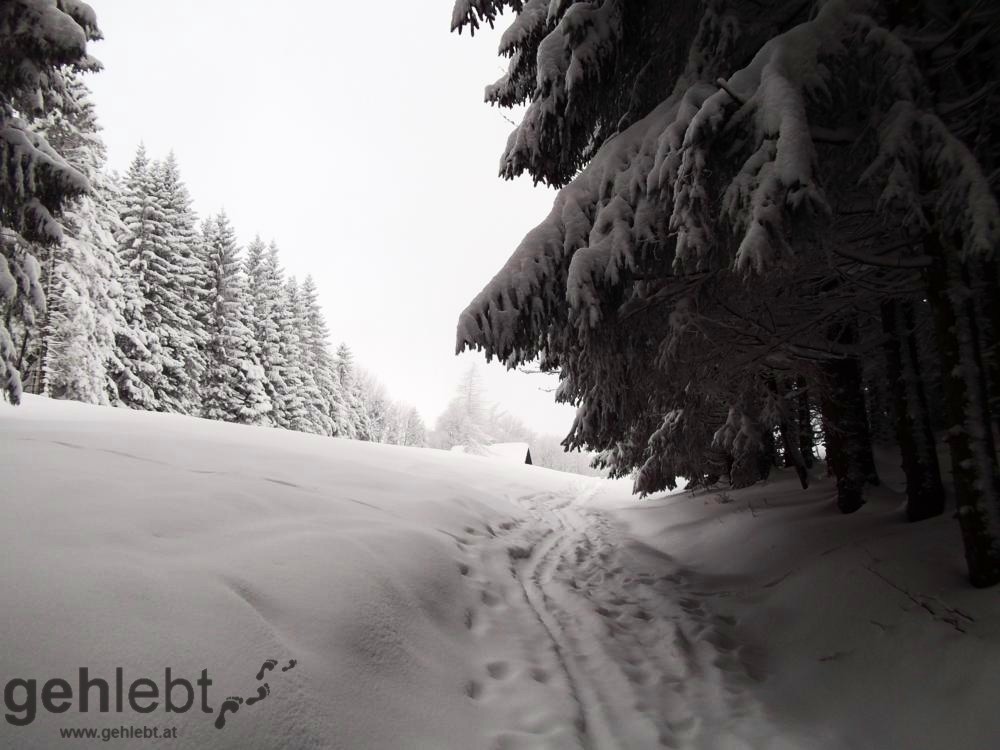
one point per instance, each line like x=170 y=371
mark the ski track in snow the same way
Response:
x=207 y=472
x=613 y=651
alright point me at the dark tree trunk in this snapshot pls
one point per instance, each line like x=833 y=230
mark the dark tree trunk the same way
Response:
x=790 y=438
x=990 y=297
x=793 y=457
x=22 y=354
x=845 y=425
x=804 y=423
x=33 y=374
x=866 y=454
x=842 y=433
x=970 y=437
x=924 y=490
x=767 y=457
x=879 y=409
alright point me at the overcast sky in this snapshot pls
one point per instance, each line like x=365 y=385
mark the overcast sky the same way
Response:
x=353 y=134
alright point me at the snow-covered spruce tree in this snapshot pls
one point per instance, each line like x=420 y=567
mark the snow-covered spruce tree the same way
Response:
x=233 y=382
x=351 y=393
x=39 y=40
x=135 y=363
x=83 y=295
x=755 y=174
x=320 y=361
x=146 y=256
x=286 y=372
x=188 y=336
x=264 y=290
x=315 y=418
x=160 y=249
x=291 y=412
x=380 y=419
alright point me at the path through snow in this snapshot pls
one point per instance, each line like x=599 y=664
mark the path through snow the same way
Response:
x=592 y=641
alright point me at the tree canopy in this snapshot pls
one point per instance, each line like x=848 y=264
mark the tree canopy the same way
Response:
x=757 y=198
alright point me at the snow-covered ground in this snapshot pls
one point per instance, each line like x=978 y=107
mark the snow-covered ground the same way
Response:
x=422 y=599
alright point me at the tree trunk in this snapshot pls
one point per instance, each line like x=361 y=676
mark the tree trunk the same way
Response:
x=842 y=433
x=970 y=437
x=767 y=456
x=845 y=426
x=990 y=297
x=19 y=364
x=866 y=454
x=804 y=423
x=34 y=365
x=790 y=438
x=879 y=408
x=924 y=490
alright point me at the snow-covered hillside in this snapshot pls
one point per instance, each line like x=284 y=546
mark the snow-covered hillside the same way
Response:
x=412 y=598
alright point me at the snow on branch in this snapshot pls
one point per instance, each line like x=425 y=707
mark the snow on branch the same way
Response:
x=915 y=148
x=568 y=59
x=472 y=12
x=532 y=19
x=763 y=105
x=540 y=277
x=28 y=166
x=716 y=177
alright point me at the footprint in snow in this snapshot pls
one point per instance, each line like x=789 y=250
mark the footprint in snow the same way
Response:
x=517 y=552
x=539 y=675
x=498 y=669
x=473 y=689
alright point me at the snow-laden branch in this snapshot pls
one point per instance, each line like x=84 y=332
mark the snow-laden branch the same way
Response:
x=917 y=155
x=719 y=177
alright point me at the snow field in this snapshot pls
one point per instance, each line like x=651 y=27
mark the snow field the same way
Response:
x=434 y=600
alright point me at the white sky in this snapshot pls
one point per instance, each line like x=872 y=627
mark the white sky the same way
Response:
x=355 y=135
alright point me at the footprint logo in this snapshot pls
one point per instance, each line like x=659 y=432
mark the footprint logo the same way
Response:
x=262 y=692
x=229 y=706
x=232 y=704
x=267 y=666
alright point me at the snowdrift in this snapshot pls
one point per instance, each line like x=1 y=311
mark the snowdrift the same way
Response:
x=861 y=631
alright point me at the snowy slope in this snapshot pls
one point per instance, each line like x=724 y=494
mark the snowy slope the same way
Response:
x=861 y=631
x=147 y=540
x=434 y=600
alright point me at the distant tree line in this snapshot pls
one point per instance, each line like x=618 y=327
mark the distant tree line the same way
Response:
x=112 y=291
x=473 y=422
